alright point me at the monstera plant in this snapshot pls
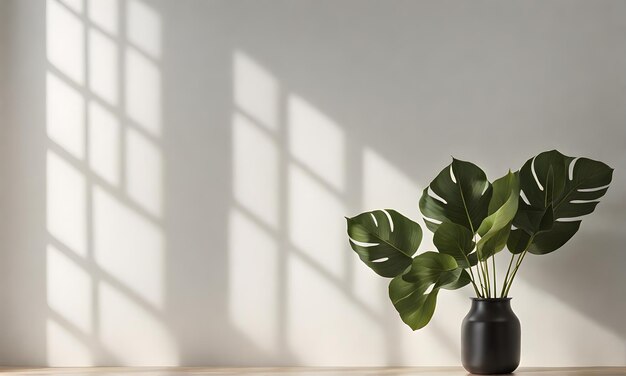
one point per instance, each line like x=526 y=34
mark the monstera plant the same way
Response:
x=534 y=210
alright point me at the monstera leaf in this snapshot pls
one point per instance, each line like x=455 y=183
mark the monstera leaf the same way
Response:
x=556 y=190
x=385 y=240
x=494 y=230
x=408 y=291
x=456 y=241
x=414 y=306
x=464 y=194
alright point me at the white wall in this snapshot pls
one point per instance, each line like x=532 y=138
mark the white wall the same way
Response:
x=4 y=137
x=179 y=172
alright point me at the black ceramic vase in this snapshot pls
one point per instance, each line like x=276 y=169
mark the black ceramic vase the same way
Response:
x=490 y=337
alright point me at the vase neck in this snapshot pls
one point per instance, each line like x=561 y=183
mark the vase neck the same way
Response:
x=491 y=305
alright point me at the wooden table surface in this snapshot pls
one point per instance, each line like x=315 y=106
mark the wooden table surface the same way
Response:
x=347 y=371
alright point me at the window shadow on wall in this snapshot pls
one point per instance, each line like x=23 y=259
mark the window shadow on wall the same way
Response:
x=309 y=105
x=104 y=187
x=200 y=157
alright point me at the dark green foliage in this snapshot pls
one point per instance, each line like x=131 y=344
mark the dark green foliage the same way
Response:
x=536 y=210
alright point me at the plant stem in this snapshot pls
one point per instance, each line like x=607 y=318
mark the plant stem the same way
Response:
x=480 y=279
x=486 y=276
x=506 y=277
x=478 y=294
x=484 y=283
x=517 y=265
x=495 y=285
x=486 y=264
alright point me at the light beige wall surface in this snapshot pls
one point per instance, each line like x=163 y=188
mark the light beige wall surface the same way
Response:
x=4 y=135
x=178 y=172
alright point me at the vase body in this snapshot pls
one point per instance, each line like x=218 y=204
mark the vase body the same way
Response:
x=490 y=337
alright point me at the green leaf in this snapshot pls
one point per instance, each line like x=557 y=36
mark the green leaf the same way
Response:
x=458 y=278
x=400 y=289
x=430 y=267
x=456 y=241
x=385 y=240
x=553 y=239
x=408 y=291
x=415 y=308
x=494 y=230
x=466 y=193
x=556 y=187
x=518 y=241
